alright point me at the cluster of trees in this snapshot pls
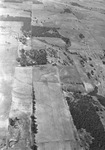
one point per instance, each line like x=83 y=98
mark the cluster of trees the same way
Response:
x=32 y=57
x=85 y=138
x=85 y=116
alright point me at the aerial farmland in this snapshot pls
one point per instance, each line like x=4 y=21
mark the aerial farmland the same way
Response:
x=52 y=75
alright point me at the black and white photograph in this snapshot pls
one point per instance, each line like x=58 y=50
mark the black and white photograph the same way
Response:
x=52 y=74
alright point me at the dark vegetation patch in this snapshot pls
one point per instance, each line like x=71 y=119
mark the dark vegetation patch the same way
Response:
x=32 y=57
x=91 y=65
x=33 y=122
x=66 y=40
x=74 y=53
x=89 y=75
x=28 y=10
x=39 y=31
x=85 y=138
x=26 y=21
x=52 y=52
x=81 y=36
x=90 y=58
x=100 y=98
x=103 y=62
x=83 y=60
x=23 y=40
x=70 y=60
x=85 y=116
x=55 y=58
x=66 y=10
x=104 y=51
x=76 y=4
x=36 y=31
x=88 y=8
x=82 y=63
x=92 y=72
